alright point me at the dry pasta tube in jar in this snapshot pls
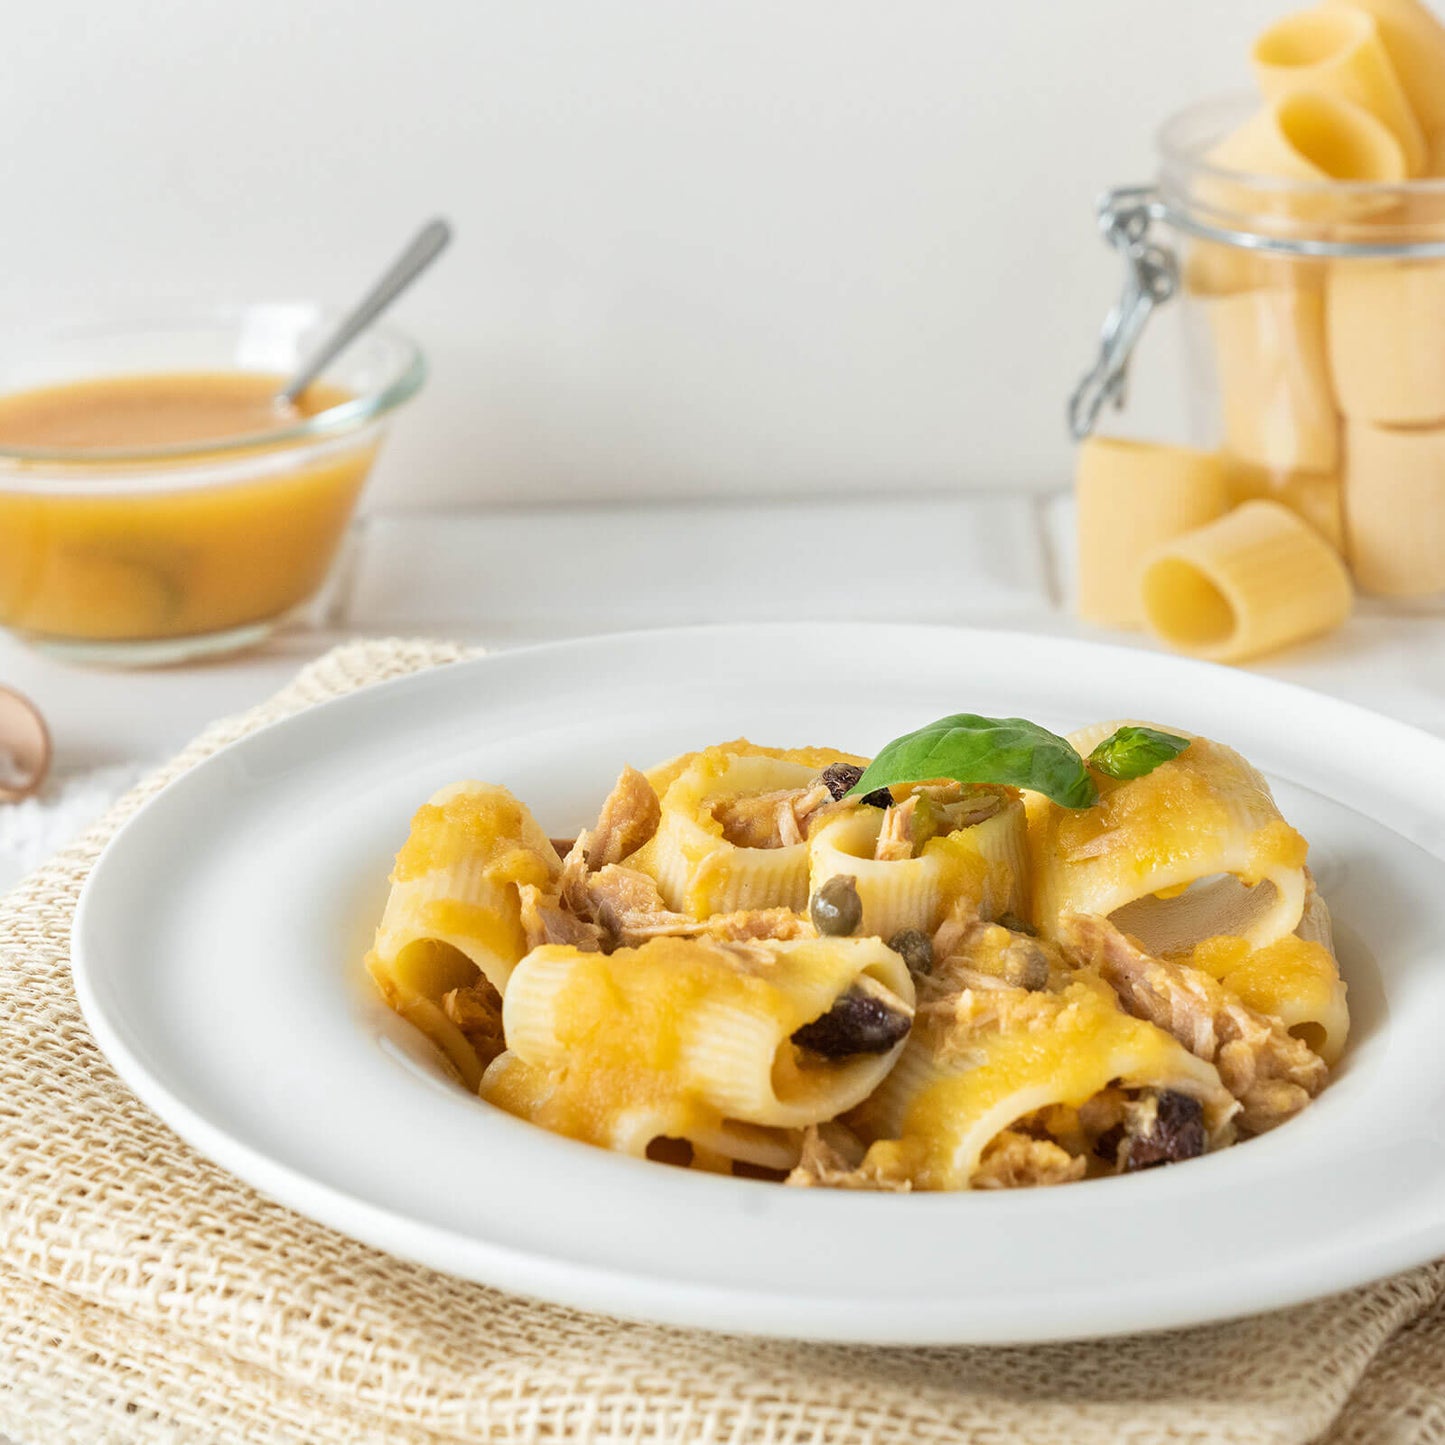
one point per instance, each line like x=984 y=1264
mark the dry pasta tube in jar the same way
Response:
x=1211 y=268
x=1131 y=497
x=1275 y=395
x=1384 y=324
x=1341 y=52
x=1307 y=136
x=1255 y=580
x=1415 y=42
x=1318 y=497
x=1395 y=509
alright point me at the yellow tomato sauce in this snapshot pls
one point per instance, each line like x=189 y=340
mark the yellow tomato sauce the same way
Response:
x=153 y=562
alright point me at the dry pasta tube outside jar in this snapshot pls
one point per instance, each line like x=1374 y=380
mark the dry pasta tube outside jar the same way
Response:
x=1314 y=324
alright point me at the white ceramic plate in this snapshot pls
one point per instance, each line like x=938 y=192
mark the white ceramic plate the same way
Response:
x=217 y=958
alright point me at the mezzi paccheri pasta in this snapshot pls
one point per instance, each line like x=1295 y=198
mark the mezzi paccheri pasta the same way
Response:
x=991 y=957
x=1307 y=234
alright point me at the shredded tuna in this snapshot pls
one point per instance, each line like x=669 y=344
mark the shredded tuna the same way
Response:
x=949 y=936
x=477 y=1011
x=970 y=953
x=772 y=820
x=754 y=820
x=572 y=881
x=952 y=1024
x=630 y=910
x=811 y=803
x=629 y=817
x=1272 y=1073
x=895 y=837
x=545 y=920
x=754 y=923
x=833 y=1157
x=1014 y=1160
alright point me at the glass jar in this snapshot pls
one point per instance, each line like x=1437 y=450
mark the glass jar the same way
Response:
x=1315 y=335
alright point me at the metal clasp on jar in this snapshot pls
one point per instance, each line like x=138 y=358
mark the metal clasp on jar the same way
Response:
x=1151 y=277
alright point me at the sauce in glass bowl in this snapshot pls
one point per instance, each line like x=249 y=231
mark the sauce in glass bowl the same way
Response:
x=153 y=513
x=155 y=409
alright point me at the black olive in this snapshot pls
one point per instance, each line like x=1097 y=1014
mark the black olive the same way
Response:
x=916 y=948
x=840 y=779
x=858 y=1023
x=836 y=909
x=1177 y=1133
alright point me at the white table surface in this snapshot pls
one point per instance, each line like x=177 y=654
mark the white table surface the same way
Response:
x=509 y=578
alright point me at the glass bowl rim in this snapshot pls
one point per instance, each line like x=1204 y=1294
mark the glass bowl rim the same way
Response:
x=332 y=422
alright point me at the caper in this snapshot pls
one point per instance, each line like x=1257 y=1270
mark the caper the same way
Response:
x=840 y=779
x=1026 y=965
x=916 y=948
x=836 y=909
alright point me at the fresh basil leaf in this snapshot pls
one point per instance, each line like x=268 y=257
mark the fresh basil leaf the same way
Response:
x=1131 y=752
x=973 y=749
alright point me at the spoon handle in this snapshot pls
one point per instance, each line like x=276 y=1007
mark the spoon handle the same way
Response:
x=427 y=245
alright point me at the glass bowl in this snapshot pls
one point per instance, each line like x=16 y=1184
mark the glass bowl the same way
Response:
x=155 y=554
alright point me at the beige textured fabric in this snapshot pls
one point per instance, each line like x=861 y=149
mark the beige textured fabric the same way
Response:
x=146 y=1296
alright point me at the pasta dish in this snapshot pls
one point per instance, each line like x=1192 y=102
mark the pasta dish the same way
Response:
x=989 y=957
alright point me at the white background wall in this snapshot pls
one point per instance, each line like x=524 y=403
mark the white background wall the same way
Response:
x=765 y=247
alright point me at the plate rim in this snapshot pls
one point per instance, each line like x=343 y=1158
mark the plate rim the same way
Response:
x=657 y=1299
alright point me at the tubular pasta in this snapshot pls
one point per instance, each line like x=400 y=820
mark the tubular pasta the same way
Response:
x=1313 y=136
x=1415 y=41
x=1384 y=326
x=1275 y=394
x=1394 y=503
x=1131 y=497
x=682 y=1036
x=1255 y=580
x=1341 y=52
x=454 y=912
x=1202 y=830
x=1177 y=986
x=973 y=1068
x=986 y=862
x=1317 y=497
x=698 y=871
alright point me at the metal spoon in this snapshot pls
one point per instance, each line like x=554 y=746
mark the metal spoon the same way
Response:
x=24 y=747
x=428 y=244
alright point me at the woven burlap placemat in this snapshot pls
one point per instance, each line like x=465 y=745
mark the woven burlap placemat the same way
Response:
x=145 y=1295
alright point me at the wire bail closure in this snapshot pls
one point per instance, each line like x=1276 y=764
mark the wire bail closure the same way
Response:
x=1151 y=278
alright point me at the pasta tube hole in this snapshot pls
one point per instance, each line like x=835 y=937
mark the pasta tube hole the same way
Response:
x=665 y=1150
x=432 y=968
x=1345 y=142
x=743 y=1169
x=1185 y=607
x=1172 y=922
